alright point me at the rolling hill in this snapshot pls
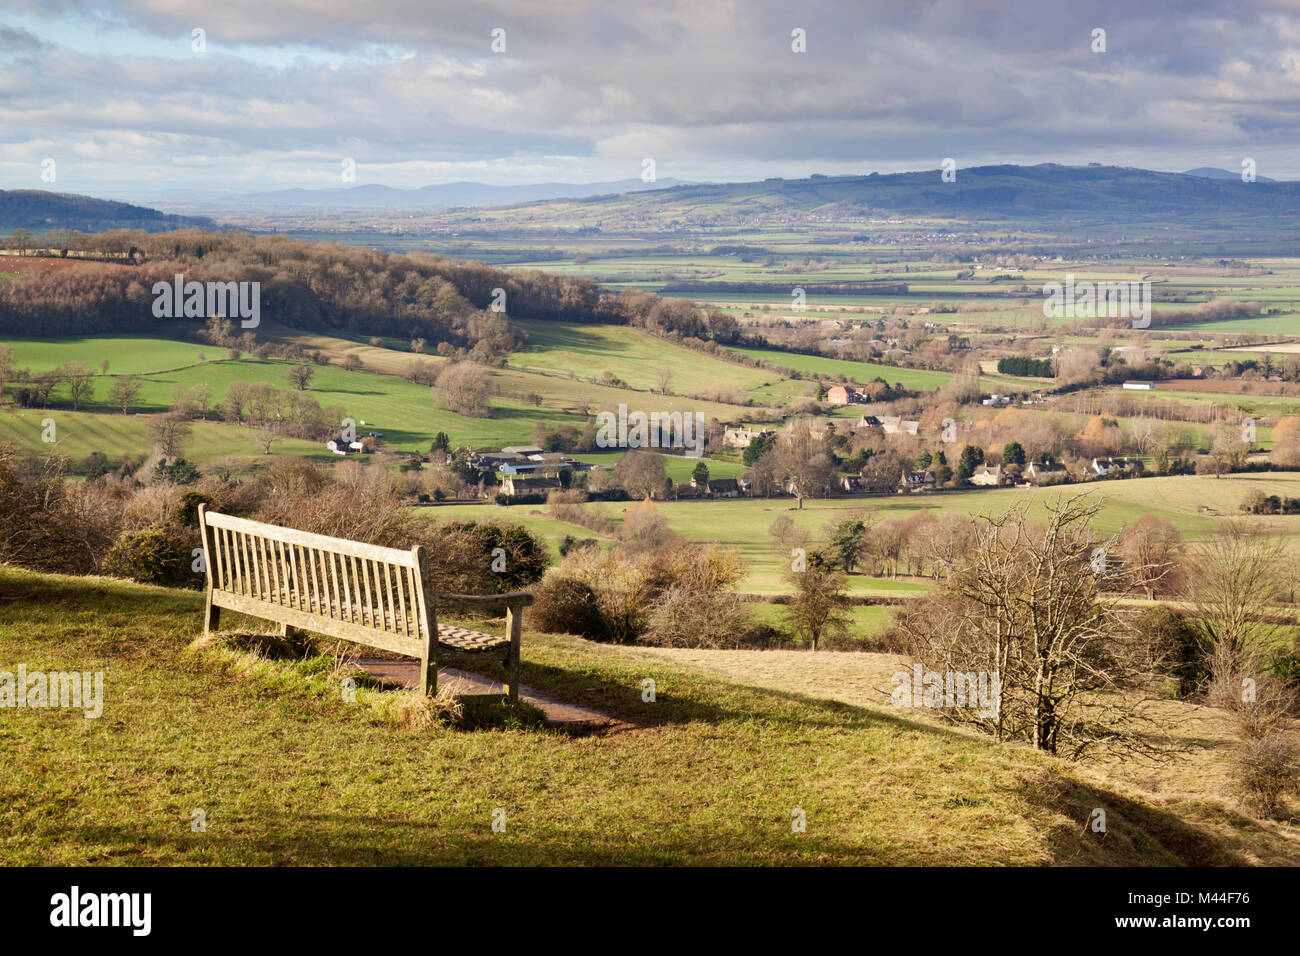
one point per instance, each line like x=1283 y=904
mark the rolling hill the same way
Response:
x=1046 y=195
x=38 y=210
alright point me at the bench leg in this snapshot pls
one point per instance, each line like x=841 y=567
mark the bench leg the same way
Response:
x=428 y=676
x=514 y=625
x=211 y=617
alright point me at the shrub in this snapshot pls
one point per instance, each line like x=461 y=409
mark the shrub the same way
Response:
x=159 y=554
x=1173 y=644
x=1267 y=768
x=50 y=524
x=462 y=555
x=566 y=605
x=627 y=586
x=684 y=617
x=178 y=472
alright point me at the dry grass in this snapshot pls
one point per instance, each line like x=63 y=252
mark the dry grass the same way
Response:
x=1203 y=780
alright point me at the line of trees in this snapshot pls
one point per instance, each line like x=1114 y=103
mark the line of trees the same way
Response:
x=327 y=286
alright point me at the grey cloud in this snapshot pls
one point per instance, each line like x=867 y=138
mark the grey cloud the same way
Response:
x=705 y=85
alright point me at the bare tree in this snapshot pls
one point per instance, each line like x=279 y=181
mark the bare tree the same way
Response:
x=123 y=392
x=786 y=536
x=299 y=376
x=1025 y=605
x=817 y=608
x=464 y=388
x=169 y=433
x=201 y=396
x=803 y=462
x=1152 y=549
x=423 y=372
x=80 y=379
x=1235 y=583
x=641 y=473
x=664 y=377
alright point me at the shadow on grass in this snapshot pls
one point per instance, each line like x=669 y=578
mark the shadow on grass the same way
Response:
x=1135 y=830
x=344 y=840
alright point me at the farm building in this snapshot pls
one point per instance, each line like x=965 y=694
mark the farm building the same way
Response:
x=514 y=487
x=1140 y=386
x=895 y=425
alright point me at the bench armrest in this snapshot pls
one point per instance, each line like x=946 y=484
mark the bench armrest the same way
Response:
x=513 y=599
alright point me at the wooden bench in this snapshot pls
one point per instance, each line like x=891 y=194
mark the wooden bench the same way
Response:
x=360 y=592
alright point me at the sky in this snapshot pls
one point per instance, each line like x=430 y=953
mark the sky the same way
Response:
x=128 y=101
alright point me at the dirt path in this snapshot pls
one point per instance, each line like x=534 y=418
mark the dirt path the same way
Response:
x=406 y=673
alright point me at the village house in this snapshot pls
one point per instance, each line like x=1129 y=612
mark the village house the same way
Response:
x=1101 y=467
x=845 y=394
x=741 y=437
x=722 y=488
x=916 y=482
x=1039 y=473
x=991 y=477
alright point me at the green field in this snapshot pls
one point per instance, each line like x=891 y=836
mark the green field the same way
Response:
x=126 y=354
x=404 y=412
x=861 y=372
x=744 y=522
x=77 y=434
x=634 y=356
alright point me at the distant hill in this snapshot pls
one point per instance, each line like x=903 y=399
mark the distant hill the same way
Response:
x=1213 y=172
x=442 y=196
x=40 y=211
x=1048 y=195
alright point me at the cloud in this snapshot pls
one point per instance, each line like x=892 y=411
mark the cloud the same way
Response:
x=586 y=89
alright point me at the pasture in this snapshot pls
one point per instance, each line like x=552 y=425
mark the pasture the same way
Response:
x=1197 y=504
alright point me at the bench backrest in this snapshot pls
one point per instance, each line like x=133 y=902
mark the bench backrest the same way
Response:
x=359 y=592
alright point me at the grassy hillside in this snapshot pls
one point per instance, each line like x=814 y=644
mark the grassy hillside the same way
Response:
x=552 y=386
x=287 y=773
x=80 y=433
x=858 y=371
x=630 y=354
x=126 y=354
